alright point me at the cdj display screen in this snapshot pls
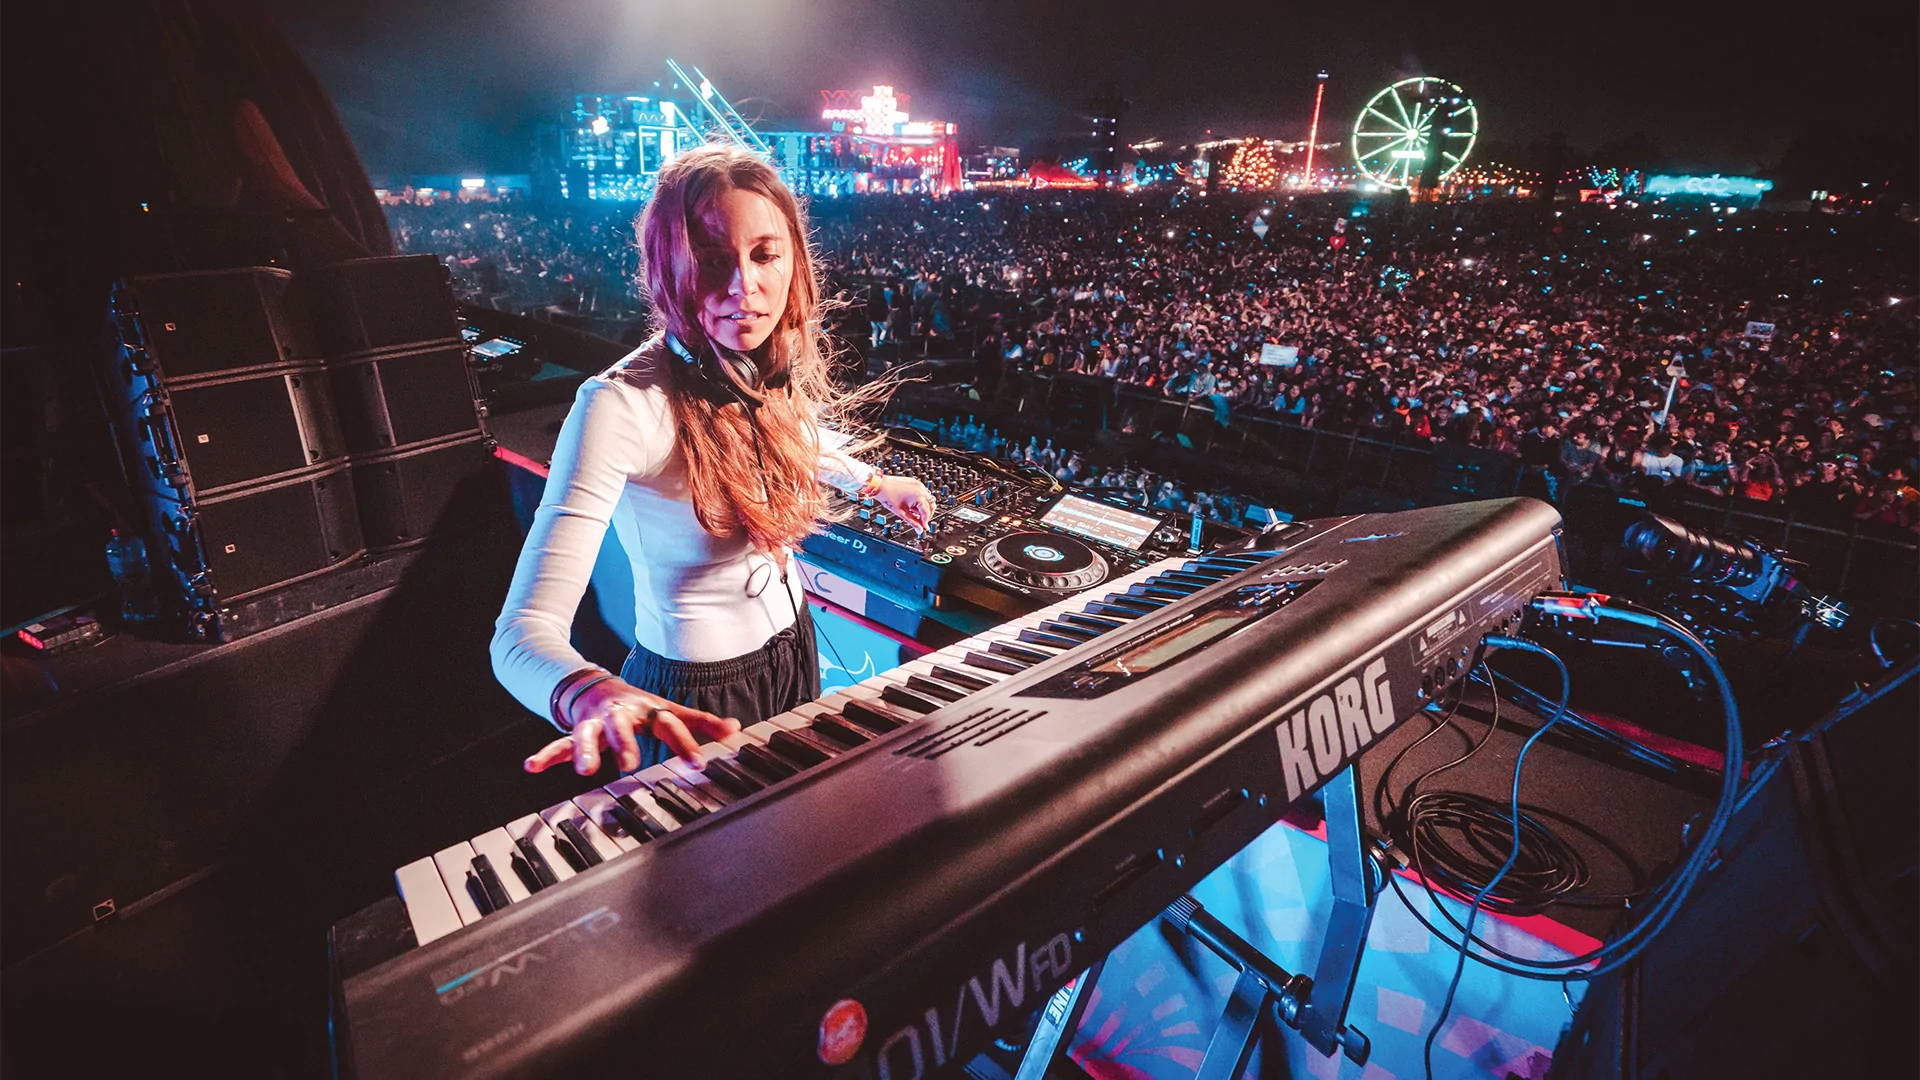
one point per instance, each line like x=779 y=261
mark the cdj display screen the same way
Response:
x=1100 y=521
x=968 y=513
x=495 y=349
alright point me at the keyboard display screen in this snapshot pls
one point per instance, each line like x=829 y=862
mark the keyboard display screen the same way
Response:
x=1155 y=651
x=1100 y=521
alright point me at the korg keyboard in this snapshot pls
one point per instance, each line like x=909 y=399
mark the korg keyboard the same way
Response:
x=879 y=882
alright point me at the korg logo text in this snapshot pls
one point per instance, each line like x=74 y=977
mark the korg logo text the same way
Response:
x=1316 y=741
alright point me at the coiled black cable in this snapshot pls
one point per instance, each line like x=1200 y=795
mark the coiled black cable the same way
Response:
x=1458 y=840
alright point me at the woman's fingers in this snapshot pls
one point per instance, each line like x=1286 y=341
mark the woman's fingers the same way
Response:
x=555 y=752
x=620 y=737
x=671 y=730
x=707 y=726
x=586 y=746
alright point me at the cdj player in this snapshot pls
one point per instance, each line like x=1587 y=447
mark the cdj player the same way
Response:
x=1004 y=541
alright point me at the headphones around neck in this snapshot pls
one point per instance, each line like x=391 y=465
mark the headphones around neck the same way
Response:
x=702 y=376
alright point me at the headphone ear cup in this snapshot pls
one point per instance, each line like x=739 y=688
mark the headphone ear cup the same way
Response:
x=701 y=376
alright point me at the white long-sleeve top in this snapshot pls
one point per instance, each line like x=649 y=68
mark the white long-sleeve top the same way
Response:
x=697 y=596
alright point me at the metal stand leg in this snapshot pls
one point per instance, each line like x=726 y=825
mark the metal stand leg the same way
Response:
x=1239 y=1031
x=1355 y=884
x=1266 y=995
x=1053 y=1035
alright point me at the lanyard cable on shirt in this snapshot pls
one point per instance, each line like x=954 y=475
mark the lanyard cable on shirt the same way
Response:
x=766 y=496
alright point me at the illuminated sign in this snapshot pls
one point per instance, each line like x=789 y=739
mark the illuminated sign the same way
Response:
x=1715 y=186
x=877 y=114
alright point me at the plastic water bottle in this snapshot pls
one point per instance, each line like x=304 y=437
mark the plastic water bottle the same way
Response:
x=127 y=562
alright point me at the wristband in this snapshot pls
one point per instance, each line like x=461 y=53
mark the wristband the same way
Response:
x=554 y=713
x=871 y=486
x=566 y=710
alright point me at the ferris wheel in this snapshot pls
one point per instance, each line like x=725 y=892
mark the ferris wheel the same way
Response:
x=1396 y=130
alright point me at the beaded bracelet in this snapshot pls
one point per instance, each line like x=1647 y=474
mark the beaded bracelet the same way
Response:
x=871 y=486
x=553 y=700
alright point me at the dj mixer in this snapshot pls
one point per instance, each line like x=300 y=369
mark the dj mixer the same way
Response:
x=1005 y=541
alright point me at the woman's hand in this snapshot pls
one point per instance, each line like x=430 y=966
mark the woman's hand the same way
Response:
x=608 y=714
x=908 y=498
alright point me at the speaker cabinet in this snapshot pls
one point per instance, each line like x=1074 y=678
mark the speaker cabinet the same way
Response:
x=410 y=491
x=415 y=395
x=367 y=305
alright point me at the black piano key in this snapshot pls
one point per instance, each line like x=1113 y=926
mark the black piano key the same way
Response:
x=795 y=748
x=1205 y=570
x=964 y=679
x=731 y=777
x=1234 y=563
x=628 y=821
x=490 y=882
x=647 y=821
x=569 y=853
x=1051 y=641
x=589 y=855
x=477 y=892
x=907 y=699
x=1070 y=631
x=680 y=804
x=1095 y=623
x=835 y=730
x=766 y=762
x=1194 y=582
x=996 y=663
x=523 y=870
x=1145 y=605
x=542 y=870
x=875 y=716
x=1148 y=590
x=932 y=688
x=1018 y=652
x=1114 y=611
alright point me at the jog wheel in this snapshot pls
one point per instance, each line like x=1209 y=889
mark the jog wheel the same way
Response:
x=1044 y=561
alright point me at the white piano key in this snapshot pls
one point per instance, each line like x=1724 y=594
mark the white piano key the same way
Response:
x=535 y=828
x=764 y=730
x=455 y=864
x=734 y=742
x=498 y=847
x=567 y=811
x=429 y=908
x=595 y=805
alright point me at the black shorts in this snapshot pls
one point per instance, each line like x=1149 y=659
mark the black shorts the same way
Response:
x=772 y=679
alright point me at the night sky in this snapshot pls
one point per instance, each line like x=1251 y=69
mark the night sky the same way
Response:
x=445 y=87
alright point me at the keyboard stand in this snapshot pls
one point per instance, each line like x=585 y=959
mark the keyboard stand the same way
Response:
x=1265 y=995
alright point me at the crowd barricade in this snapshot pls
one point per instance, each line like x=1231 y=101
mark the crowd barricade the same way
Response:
x=1349 y=471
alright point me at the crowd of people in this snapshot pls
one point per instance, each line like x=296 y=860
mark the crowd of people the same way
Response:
x=1760 y=355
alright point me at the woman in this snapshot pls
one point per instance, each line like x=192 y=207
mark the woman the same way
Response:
x=701 y=450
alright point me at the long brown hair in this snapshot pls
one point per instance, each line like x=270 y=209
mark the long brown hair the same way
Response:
x=771 y=488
